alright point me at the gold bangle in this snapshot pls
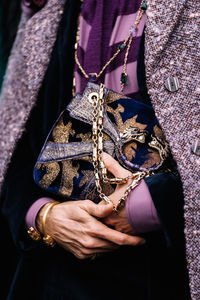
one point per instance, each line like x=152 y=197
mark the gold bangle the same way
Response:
x=47 y=238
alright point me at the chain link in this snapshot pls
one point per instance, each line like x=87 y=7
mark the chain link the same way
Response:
x=100 y=171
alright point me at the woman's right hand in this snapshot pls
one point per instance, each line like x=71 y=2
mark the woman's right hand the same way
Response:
x=76 y=226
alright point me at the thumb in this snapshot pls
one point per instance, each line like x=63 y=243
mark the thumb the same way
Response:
x=99 y=211
x=113 y=166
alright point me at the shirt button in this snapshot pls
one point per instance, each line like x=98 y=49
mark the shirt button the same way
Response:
x=172 y=84
x=196 y=147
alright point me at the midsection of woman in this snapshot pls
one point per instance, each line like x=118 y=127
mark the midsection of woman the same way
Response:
x=145 y=272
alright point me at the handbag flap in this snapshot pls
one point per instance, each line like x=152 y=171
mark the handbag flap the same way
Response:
x=65 y=151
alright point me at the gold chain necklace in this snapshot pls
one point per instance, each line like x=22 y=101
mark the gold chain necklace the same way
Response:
x=127 y=42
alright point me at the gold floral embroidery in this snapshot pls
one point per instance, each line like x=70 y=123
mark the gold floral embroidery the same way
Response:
x=129 y=149
x=87 y=137
x=112 y=97
x=151 y=158
x=158 y=132
x=87 y=174
x=61 y=132
x=52 y=171
x=128 y=123
x=68 y=174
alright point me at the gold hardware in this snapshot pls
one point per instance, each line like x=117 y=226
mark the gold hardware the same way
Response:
x=47 y=238
x=93 y=97
x=131 y=133
x=99 y=166
x=35 y=235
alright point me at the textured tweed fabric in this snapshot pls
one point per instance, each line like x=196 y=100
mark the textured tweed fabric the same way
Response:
x=26 y=68
x=172 y=49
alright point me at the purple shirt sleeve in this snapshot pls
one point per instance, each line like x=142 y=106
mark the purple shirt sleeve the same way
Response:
x=140 y=210
x=29 y=7
x=26 y=7
x=33 y=211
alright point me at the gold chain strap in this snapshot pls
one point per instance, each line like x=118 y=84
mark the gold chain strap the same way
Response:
x=97 y=137
x=100 y=170
x=137 y=177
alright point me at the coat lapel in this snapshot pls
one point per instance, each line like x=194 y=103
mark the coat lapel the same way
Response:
x=39 y=39
x=172 y=50
x=26 y=68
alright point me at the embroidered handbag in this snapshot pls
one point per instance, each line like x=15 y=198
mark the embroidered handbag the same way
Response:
x=99 y=120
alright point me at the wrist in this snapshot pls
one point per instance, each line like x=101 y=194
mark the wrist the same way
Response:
x=33 y=210
x=48 y=239
x=39 y=218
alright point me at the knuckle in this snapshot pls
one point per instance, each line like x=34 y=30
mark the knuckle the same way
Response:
x=92 y=230
x=86 y=203
x=87 y=243
x=86 y=251
x=81 y=256
x=121 y=240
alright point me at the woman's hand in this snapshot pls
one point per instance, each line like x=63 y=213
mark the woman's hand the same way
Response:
x=75 y=226
x=118 y=221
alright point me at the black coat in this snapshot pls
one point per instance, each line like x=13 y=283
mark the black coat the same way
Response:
x=154 y=271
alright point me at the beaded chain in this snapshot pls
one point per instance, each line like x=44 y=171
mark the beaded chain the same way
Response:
x=126 y=43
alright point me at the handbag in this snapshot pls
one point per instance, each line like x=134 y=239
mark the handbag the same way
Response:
x=100 y=119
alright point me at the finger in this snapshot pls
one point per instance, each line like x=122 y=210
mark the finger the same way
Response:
x=98 y=250
x=113 y=166
x=90 y=254
x=94 y=243
x=114 y=236
x=99 y=211
x=102 y=231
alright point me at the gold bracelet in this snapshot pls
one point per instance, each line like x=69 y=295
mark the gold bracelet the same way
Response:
x=47 y=238
x=35 y=235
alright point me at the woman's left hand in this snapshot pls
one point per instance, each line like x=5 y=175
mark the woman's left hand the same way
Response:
x=118 y=221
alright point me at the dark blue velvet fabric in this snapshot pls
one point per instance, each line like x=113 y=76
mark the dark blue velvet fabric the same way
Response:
x=154 y=271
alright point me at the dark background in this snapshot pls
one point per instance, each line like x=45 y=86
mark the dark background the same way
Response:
x=9 y=18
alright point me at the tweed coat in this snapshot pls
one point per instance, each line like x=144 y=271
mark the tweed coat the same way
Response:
x=172 y=49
